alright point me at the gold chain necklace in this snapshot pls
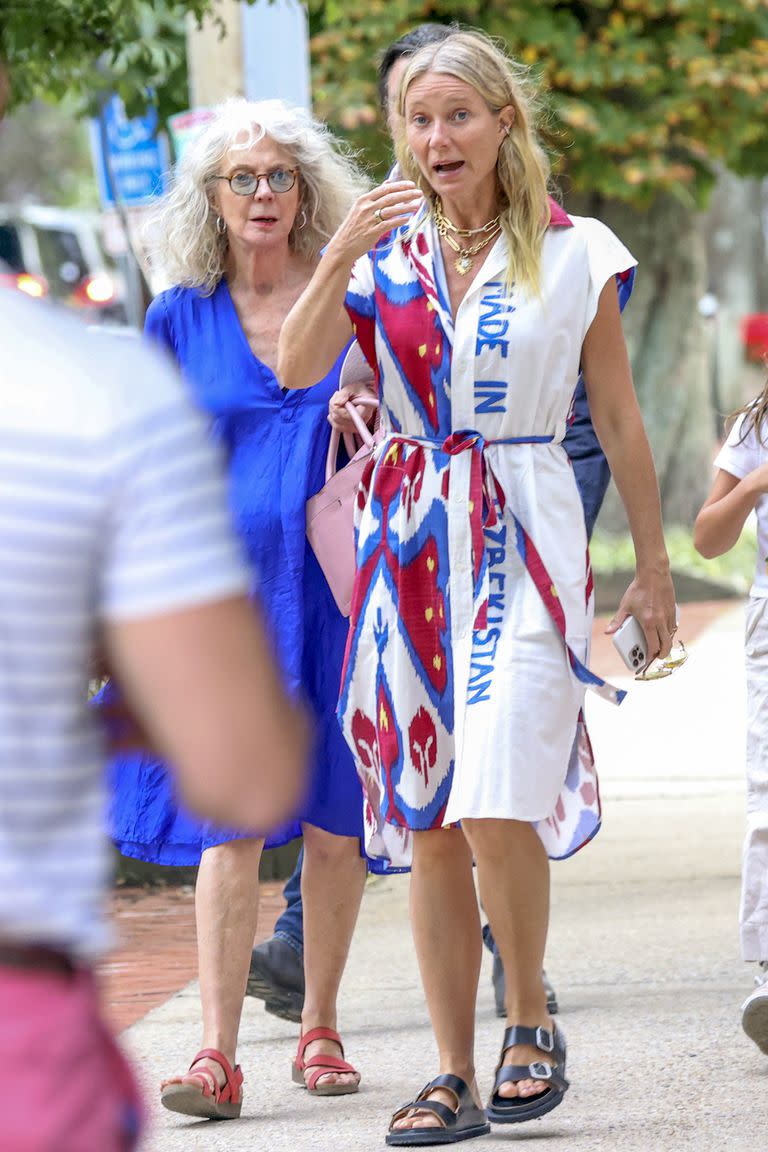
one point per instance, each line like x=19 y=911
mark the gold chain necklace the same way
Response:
x=463 y=261
x=451 y=227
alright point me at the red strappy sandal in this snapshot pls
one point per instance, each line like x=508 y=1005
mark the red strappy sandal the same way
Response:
x=198 y=1094
x=321 y=1064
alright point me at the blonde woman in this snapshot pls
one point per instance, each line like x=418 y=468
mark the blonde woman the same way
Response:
x=466 y=666
x=255 y=198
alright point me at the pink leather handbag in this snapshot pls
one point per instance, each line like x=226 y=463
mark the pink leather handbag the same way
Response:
x=330 y=513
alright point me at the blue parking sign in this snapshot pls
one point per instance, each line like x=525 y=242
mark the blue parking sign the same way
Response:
x=138 y=158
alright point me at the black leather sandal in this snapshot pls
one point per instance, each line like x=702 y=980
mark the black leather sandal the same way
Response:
x=463 y=1123
x=515 y=1110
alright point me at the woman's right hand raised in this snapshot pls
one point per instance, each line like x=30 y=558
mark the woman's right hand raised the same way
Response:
x=373 y=215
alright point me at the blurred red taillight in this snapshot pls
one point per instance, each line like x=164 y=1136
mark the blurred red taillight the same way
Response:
x=95 y=290
x=25 y=282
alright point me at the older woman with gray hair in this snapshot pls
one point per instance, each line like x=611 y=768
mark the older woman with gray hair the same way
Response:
x=256 y=196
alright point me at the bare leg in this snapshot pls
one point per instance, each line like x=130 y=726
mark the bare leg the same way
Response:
x=513 y=872
x=226 y=909
x=446 y=931
x=332 y=882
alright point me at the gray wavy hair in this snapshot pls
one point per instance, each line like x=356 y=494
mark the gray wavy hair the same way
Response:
x=182 y=234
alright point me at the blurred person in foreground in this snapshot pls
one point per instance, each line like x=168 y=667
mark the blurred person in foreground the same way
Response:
x=113 y=519
x=471 y=616
x=255 y=198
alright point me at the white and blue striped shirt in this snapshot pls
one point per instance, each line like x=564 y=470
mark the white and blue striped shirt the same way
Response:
x=112 y=506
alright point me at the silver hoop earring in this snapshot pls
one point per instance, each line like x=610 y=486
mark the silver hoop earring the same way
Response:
x=303 y=222
x=221 y=226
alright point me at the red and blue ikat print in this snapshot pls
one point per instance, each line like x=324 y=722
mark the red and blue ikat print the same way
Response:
x=397 y=697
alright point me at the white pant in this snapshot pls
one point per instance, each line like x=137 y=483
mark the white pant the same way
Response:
x=754 y=874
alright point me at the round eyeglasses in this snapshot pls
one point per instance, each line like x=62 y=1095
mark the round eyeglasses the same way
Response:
x=246 y=183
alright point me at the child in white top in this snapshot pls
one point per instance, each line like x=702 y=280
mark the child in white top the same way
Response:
x=741 y=486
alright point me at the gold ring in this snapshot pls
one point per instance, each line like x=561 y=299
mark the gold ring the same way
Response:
x=377 y=215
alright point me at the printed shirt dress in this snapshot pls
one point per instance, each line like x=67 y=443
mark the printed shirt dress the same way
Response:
x=465 y=668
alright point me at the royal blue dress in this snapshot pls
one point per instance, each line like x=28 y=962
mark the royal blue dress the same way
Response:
x=276 y=444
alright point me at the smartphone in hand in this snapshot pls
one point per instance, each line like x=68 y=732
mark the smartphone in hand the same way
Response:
x=630 y=643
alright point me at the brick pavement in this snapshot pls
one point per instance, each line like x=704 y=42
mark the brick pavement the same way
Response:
x=156 y=954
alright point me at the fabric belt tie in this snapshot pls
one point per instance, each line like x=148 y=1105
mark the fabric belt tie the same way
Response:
x=37 y=958
x=485 y=491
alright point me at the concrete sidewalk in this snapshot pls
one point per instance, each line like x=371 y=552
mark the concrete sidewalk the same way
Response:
x=643 y=952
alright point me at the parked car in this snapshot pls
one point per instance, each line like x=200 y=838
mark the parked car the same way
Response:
x=63 y=249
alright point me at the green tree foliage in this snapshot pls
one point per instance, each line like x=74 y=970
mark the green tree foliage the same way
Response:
x=46 y=157
x=82 y=48
x=644 y=95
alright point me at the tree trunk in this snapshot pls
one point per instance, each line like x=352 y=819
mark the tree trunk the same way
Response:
x=215 y=62
x=736 y=249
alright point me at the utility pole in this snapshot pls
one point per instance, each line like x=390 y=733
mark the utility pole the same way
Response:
x=264 y=54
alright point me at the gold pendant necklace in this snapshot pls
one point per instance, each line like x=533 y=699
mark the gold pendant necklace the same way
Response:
x=444 y=226
x=463 y=261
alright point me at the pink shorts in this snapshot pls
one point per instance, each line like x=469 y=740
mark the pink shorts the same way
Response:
x=66 y=1086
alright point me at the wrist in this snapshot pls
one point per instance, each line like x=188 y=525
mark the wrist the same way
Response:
x=653 y=564
x=335 y=260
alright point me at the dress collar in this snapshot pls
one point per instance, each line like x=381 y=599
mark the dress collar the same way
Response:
x=419 y=251
x=558 y=217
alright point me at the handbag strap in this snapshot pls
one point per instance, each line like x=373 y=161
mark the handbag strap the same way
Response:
x=363 y=432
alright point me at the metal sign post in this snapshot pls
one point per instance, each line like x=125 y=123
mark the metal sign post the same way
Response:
x=131 y=161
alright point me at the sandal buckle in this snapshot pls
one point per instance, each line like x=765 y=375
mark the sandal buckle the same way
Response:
x=545 y=1040
x=540 y=1070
